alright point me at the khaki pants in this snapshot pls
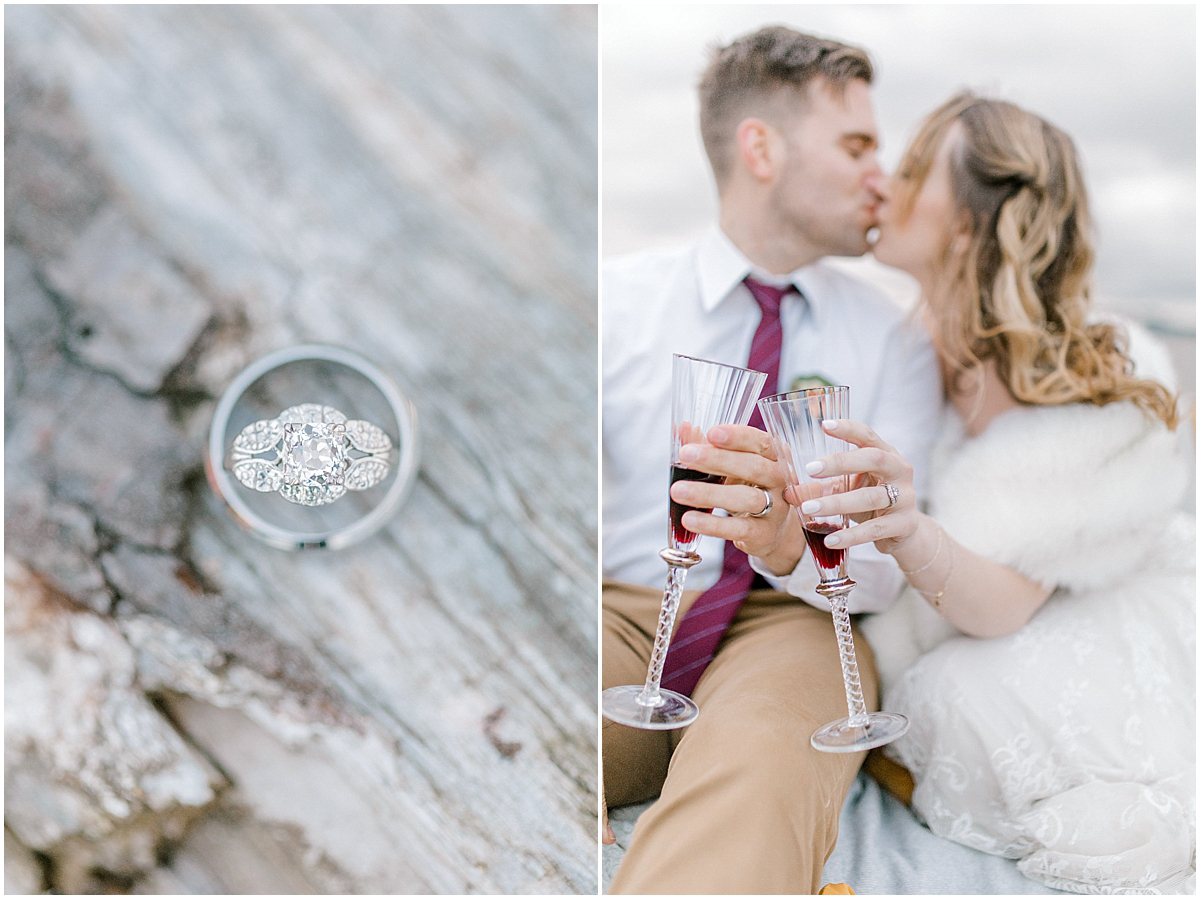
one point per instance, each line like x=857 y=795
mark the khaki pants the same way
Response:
x=747 y=805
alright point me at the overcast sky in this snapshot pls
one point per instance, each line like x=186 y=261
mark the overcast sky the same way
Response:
x=1121 y=80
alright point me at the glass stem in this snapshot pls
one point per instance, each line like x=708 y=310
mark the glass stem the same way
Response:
x=650 y=695
x=845 y=638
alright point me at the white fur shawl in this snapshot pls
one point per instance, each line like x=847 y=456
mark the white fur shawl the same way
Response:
x=1074 y=497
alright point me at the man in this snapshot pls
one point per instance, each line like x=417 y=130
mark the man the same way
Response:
x=747 y=805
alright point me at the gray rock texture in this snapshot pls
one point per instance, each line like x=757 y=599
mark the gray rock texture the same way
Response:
x=186 y=189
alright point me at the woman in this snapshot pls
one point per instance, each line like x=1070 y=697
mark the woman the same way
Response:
x=1045 y=648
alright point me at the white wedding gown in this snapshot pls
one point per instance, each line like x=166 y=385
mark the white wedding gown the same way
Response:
x=1069 y=745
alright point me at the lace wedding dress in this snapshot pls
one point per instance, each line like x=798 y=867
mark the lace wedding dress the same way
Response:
x=1069 y=745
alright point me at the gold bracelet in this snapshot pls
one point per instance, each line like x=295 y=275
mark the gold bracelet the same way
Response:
x=937 y=598
x=936 y=552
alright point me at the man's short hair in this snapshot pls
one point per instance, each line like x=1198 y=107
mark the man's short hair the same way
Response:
x=749 y=75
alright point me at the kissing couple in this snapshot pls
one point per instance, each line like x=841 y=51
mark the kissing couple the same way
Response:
x=1026 y=580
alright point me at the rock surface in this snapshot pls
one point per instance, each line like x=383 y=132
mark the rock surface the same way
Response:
x=188 y=188
x=94 y=776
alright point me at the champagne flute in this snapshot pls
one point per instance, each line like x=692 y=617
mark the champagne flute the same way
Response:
x=794 y=422
x=703 y=395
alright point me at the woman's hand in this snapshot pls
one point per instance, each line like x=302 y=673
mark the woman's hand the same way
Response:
x=758 y=526
x=961 y=585
x=884 y=517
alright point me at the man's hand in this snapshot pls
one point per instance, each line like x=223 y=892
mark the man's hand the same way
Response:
x=745 y=458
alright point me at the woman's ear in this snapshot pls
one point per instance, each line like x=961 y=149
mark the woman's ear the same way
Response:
x=759 y=148
x=960 y=240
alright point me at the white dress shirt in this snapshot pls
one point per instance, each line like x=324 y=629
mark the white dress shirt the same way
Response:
x=692 y=301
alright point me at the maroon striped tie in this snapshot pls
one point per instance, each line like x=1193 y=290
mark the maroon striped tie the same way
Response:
x=695 y=642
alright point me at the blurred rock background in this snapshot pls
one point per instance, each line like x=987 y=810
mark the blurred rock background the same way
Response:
x=188 y=188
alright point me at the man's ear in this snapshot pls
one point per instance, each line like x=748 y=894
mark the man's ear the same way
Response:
x=759 y=148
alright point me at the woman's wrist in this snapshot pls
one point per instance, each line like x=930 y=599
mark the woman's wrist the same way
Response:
x=927 y=569
x=915 y=553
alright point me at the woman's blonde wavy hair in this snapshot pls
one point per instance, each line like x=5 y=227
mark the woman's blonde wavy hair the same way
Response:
x=1019 y=190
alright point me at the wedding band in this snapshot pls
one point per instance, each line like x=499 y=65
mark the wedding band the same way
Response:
x=311 y=454
x=893 y=494
x=767 y=508
x=311 y=457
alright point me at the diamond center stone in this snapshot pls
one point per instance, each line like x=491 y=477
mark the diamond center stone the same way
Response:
x=314 y=454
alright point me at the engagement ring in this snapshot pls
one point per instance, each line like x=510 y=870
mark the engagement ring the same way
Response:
x=893 y=494
x=313 y=455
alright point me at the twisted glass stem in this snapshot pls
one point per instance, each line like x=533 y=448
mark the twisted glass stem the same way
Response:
x=845 y=640
x=650 y=696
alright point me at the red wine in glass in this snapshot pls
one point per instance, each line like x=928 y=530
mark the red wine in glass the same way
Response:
x=681 y=535
x=815 y=533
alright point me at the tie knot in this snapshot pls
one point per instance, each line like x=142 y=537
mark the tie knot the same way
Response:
x=768 y=297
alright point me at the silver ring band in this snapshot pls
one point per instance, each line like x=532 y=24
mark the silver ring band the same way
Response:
x=403 y=449
x=893 y=494
x=766 y=510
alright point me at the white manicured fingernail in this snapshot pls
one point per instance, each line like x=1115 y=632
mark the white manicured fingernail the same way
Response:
x=833 y=540
x=815 y=467
x=810 y=507
x=830 y=425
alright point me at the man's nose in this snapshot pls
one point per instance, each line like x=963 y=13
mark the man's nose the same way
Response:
x=879 y=183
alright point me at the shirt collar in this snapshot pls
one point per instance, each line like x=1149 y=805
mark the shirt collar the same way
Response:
x=721 y=267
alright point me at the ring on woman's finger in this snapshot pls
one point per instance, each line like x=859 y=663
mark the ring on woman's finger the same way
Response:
x=766 y=509
x=893 y=494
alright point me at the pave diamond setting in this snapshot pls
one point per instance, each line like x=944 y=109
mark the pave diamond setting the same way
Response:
x=311 y=455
